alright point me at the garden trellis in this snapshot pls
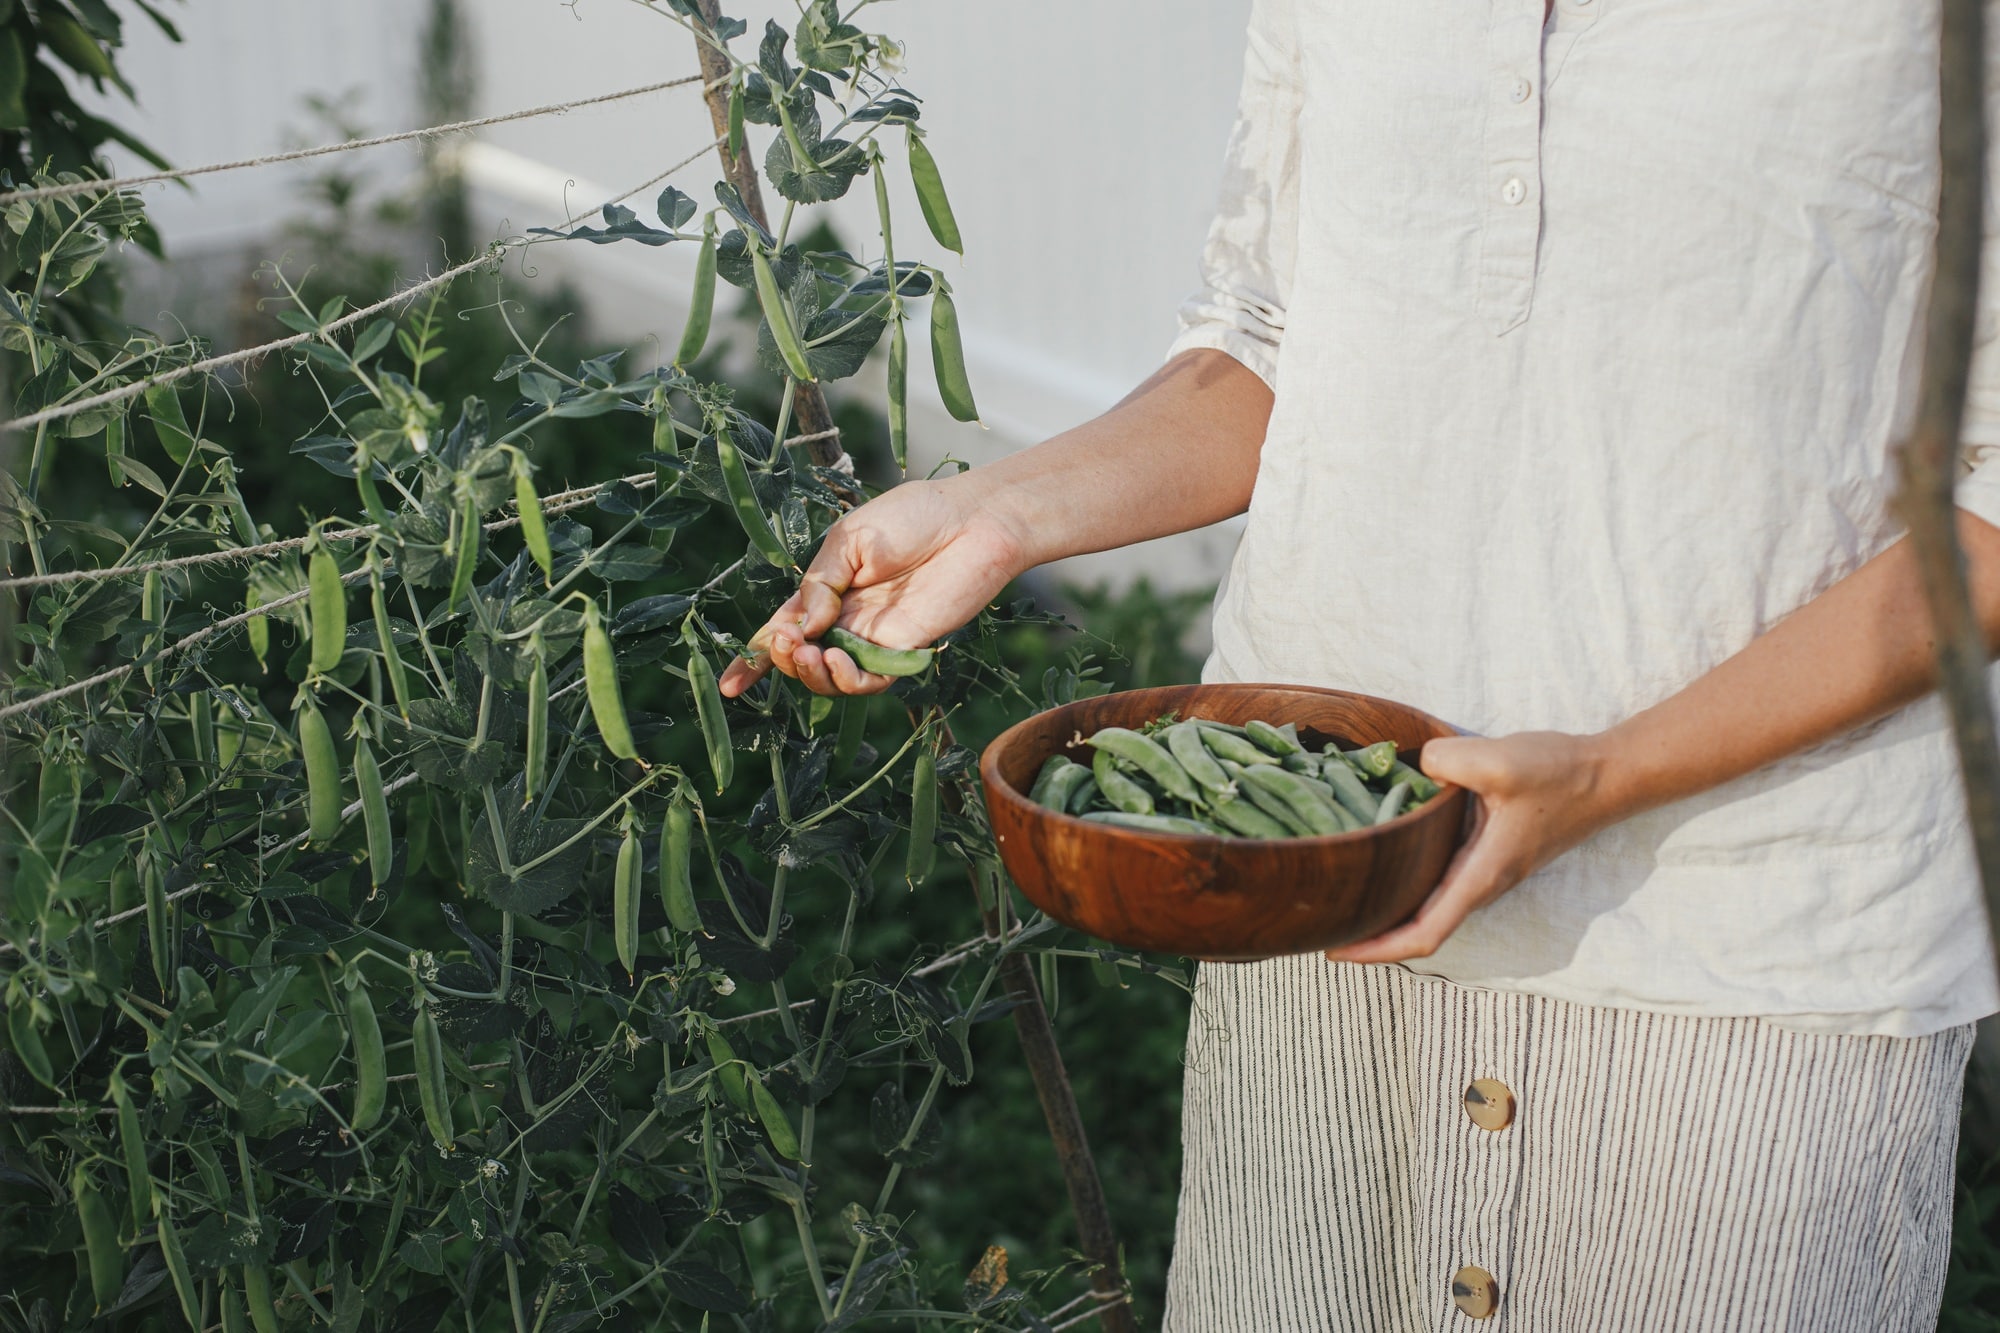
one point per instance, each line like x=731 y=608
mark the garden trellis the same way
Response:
x=281 y=1052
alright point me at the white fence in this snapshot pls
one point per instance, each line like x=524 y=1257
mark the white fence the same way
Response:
x=1080 y=141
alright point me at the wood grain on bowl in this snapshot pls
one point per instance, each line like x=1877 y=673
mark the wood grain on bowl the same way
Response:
x=1227 y=899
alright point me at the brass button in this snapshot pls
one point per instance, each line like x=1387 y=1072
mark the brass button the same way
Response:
x=1474 y=1292
x=1490 y=1104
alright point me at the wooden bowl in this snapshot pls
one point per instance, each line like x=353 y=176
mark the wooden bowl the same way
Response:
x=1221 y=899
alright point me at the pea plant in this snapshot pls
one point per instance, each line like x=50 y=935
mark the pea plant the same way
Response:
x=400 y=931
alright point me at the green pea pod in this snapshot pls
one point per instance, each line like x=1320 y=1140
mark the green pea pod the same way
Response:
x=1375 y=760
x=258 y=628
x=432 y=1090
x=899 y=396
x=132 y=1147
x=257 y=1295
x=371 y=1064
x=374 y=813
x=177 y=1268
x=783 y=1137
x=1306 y=799
x=729 y=1070
x=1271 y=740
x=1351 y=791
x=600 y=681
x=1393 y=803
x=1266 y=801
x=931 y=196
x=534 y=528
x=701 y=305
x=1084 y=796
x=1123 y=793
x=1183 y=741
x=875 y=657
x=1241 y=815
x=948 y=360
x=1055 y=764
x=326 y=605
x=537 y=764
x=100 y=1239
x=743 y=499
x=159 y=927
x=625 y=900
x=790 y=349
x=1063 y=786
x=923 y=819
x=1421 y=787
x=677 y=867
x=201 y=720
x=114 y=450
x=714 y=722
x=1235 y=749
x=371 y=498
x=322 y=774
x=735 y=119
x=468 y=551
x=1157 y=823
x=1151 y=758
x=232 y=1310
x=853 y=730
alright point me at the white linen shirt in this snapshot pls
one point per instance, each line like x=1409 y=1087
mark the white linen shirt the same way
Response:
x=1591 y=341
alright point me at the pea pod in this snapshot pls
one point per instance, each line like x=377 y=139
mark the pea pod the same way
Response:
x=1266 y=801
x=326 y=606
x=853 y=730
x=899 y=396
x=322 y=774
x=1271 y=739
x=1351 y=791
x=536 y=767
x=735 y=119
x=625 y=899
x=1156 y=823
x=772 y=301
x=1183 y=741
x=600 y=682
x=875 y=657
x=1056 y=763
x=1235 y=749
x=159 y=927
x=1421 y=787
x=743 y=500
x=931 y=196
x=385 y=637
x=534 y=528
x=201 y=720
x=1375 y=760
x=783 y=1137
x=1240 y=814
x=1306 y=799
x=100 y=1239
x=467 y=560
x=177 y=1268
x=232 y=1309
x=714 y=722
x=1150 y=758
x=923 y=819
x=729 y=1071
x=1392 y=804
x=948 y=360
x=1115 y=787
x=114 y=450
x=701 y=304
x=257 y=1295
x=432 y=1091
x=1085 y=793
x=1064 y=785
x=371 y=1064
x=374 y=813
x=677 y=866
x=257 y=628
x=132 y=1147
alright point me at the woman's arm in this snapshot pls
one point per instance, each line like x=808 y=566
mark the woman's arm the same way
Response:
x=1861 y=649
x=917 y=562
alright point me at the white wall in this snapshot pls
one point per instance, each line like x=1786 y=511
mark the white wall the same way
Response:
x=1080 y=142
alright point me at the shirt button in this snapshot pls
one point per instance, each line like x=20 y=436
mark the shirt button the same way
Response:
x=1475 y=1293
x=1489 y=1104
x=1514 y=191
x=1520 y=89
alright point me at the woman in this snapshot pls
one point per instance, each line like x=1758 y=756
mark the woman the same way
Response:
x=1558 y=356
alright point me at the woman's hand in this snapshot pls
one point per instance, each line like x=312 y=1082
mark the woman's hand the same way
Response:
x=909 y=566
x=1540 y=793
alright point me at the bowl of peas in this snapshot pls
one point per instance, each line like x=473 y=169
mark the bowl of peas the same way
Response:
x=1224 y=822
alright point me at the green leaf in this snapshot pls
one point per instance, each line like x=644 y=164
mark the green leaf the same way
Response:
x=703 y=1285
x=627 y=562
x=518 y=889
x=834 y=165
x=13 y=82
x=163 y=407
x=373 y=339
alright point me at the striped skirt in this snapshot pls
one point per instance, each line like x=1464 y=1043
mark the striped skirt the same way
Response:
x=1371 y=1150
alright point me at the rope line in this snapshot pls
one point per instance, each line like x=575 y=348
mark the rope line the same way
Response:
x=556 y=503
x=69 y=188
x=202 y=367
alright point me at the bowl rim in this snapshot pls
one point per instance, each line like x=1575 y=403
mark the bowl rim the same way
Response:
x=991 y=777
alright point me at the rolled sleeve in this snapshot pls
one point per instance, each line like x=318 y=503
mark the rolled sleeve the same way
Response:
x=1246 y=263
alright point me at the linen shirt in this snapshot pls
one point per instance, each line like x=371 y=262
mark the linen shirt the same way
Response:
x=1591 y=342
